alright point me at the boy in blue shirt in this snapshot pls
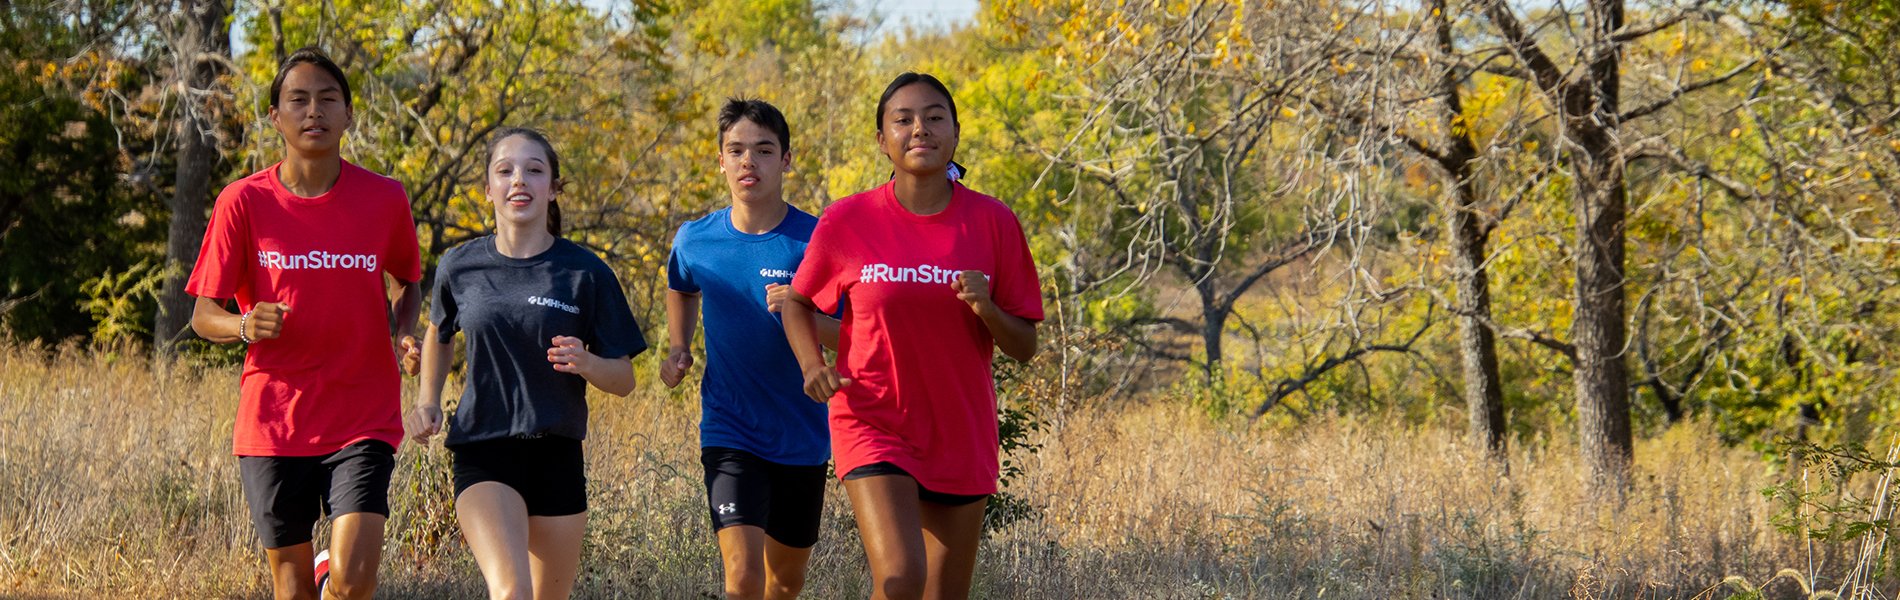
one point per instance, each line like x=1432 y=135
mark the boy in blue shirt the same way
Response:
x=763 y=442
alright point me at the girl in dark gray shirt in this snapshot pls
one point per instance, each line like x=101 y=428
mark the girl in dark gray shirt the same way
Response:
x=543 y=318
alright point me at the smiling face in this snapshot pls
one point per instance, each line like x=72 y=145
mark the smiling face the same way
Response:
x=917 y=130
x=520 y=182
x=311 y=111
x=753 y=162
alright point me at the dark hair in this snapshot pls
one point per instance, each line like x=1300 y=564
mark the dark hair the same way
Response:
x=907 y=79
x=554 y=165
x=955 y=171
x=310 y=55
x=756 y=111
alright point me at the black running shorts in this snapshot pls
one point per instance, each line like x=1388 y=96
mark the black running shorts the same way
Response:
x=787 y=501
x=550 y=471
x=884 y=468
x=287 y=494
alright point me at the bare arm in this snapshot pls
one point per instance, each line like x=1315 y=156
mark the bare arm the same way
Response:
x=776 y=297
x=426 y=418
x=212 y=321
x=801 y=330
x=611 y=375
x=682 y=319
x=408 y=306
x=1015 y=336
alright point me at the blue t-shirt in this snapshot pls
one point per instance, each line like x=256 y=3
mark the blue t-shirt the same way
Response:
x=510 y=310
x=752 y=395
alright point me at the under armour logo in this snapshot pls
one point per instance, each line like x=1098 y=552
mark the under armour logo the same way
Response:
x=728 y=508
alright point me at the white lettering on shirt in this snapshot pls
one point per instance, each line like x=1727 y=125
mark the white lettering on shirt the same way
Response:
x=552 y=303
x=776 y=273
x=315 y=259
x=883 y=273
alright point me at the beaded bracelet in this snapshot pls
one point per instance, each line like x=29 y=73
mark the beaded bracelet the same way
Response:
x=242 y=319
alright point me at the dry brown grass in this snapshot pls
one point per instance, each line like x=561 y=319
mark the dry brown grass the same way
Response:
x=115 y=480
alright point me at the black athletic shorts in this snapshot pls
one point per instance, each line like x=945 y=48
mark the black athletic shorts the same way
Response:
x=884 y=468
x=550 y=471
x=787 y=501
x=287 y=494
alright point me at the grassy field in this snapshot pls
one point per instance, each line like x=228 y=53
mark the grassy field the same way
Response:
x=117 y=481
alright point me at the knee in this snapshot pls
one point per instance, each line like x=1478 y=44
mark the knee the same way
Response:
x=904 y=584
x=359 y=586
x=743 y=583
x=780 y=588
x=510 y=592
x=785 y=583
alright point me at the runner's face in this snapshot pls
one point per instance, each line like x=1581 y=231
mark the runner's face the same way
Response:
x=520 y=182
x=917 y=133
x=311 y=113
x=753 y=162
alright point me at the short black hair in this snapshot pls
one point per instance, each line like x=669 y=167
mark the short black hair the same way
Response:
x=756 y=111
x=310 y=55
x=907 y=79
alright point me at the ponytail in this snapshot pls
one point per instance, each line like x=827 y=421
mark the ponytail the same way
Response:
x=554 y=218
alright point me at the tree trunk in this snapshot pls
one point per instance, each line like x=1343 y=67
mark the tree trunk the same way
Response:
x=1599 y=330
x=1477 y=344
x=1213 y=323
x=206 y=39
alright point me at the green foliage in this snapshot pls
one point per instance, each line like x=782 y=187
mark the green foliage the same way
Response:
x=1017 y=425
x=68 y=217
x=1830 y=502
x=120 y=303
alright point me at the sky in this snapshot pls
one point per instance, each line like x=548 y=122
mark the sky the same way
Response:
x=924 y=13
x=921 y=12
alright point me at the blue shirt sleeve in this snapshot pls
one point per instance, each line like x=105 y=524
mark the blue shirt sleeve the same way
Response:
x=678 y=277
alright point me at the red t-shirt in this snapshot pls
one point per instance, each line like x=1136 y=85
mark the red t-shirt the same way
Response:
x=330 y=379
x=921 y=396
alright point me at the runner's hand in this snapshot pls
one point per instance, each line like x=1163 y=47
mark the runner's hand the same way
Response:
x=409 y=355
x=822 y=381
x=775 y=295
x=266 y=321
x=569 y=355
x=973 y=288
x=423 y=421
x=674 y=367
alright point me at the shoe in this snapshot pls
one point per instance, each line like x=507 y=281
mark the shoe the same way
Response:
x=323 y=571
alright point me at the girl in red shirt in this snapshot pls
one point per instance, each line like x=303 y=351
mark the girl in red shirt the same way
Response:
x=933 y=277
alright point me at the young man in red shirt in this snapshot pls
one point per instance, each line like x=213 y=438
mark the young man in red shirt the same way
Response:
x=319 y=412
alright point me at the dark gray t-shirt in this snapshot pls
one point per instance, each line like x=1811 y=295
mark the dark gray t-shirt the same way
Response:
x=511 y=309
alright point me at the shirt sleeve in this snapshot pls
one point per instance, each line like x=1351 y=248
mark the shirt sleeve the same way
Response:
x=678 y=277
x=404 y=252
x=616 y=334
x=821 y=275
x=222 y=267
x=1015 y=288
x=442 y=308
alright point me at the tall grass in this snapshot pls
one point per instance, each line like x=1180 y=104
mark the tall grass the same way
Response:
x=117 y=480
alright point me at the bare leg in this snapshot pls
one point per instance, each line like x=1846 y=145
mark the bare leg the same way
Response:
x=887 y=510
x=784 y=570
x=951 y=536
x=742 y=551
x=495 y=520
x=292 y=575
x=554 y=546
x=356 y=549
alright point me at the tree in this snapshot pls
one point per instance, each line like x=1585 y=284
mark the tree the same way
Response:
x=202 y=63
x=1206 y=172
x=1596 y=148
